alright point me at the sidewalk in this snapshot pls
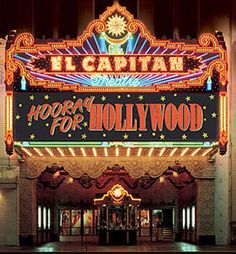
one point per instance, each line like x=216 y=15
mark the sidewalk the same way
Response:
x=141 y=247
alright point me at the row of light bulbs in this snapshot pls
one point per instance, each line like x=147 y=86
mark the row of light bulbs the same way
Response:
x=117 y=152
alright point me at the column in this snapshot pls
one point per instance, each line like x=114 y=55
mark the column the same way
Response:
x=85 y=15
x=215 y=16
x=146 y=14
x=55 y=19
x=175 y=12
x=232 y=88
x=205 y=211
x=25 y=16
x=27 y=211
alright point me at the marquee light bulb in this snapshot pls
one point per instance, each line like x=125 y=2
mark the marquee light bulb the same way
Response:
x=83 y=152
x=196 y=151
x=60 y=151
x=184 y=151
x=162 y=151
x=139 y=151
x=49 y=151
x=128 y=152
x=26 y=151
x=72 y=151
x=173 y=151
x=207 y=151
x=117 y=151
x=37 y=151
x=105 y=152
x=150 y=152
x=94 y=152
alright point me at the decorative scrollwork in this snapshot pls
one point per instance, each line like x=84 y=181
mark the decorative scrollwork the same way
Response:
x=132 y=27
x=206 y=40
x=24 y=40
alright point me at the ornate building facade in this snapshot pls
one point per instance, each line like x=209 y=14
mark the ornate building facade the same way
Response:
x=31 y=190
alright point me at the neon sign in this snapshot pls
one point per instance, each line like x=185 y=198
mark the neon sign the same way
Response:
x=116 y=117
x=115 y=57
x=116 y=64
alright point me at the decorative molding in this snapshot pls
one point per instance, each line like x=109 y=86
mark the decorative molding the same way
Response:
x=205 y=207
x=8 y=173
x=27 y=203
x=199 y=167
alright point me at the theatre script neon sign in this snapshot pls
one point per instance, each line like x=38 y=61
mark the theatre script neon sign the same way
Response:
x=116 y=82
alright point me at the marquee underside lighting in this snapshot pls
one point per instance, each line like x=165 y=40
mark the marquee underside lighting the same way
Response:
x=115 y=151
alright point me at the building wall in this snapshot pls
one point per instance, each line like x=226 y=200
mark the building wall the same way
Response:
x=8 y=174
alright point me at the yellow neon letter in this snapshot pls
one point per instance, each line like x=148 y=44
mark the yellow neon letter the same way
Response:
x=69 y=65
x=104 y=64
x=159 y=64
x=120 y=62
x=144 y=60
x=176 y=63
x=56 y=62
x=88 y=63
x=132 y=63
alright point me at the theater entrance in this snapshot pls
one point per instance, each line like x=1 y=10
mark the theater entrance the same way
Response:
x=117 y=217
x=116 y=208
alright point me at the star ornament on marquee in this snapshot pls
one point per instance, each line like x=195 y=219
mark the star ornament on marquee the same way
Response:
x=126 y=136
x=84 y=136
x=213 y=115
x=211 y=97
x=162 y=137
x=18 y=117
x=116 y=25
x=188 y=98
x=184 y=137
x=205 y=135
x=85 y=124
x=140 y=97
x=163 y=98
x=32 y=136
x=103 y=98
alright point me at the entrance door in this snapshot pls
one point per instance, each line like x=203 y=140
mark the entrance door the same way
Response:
x=156 y=224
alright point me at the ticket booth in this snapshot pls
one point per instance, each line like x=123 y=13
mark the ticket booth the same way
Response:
x=117 y=221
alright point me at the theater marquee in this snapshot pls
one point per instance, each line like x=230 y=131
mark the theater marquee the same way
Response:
x=116 y=82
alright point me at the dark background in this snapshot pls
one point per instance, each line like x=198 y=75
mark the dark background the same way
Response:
x=61 y=18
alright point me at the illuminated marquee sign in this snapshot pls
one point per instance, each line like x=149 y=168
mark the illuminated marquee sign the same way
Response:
x=116 y=82
x=114 y=117
x=116 y=64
